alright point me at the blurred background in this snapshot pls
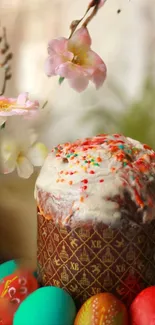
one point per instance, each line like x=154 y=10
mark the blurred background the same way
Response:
x=125 y=103
x=125 y=41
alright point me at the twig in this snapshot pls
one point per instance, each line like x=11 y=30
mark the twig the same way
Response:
x=45 y=104
x=5 y=63
x=4 y=85
x=75 y=23
x=94 y=12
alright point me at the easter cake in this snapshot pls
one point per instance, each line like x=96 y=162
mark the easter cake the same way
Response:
x=96 y=211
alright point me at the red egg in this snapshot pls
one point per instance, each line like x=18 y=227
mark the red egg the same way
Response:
x=142 y=310
x=13 y=290
x=103 y=308
x=7 y=311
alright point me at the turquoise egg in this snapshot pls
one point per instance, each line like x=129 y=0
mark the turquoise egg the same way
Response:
x=46 y=306
x=7 y=268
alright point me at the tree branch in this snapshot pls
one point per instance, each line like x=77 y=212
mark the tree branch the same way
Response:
x=6 y=56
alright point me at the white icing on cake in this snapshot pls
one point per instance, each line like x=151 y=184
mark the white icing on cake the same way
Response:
x=85 y=181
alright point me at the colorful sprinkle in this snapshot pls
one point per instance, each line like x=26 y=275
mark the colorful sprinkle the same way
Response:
x=96 y=164
x=85 y=181
x=84 y=188
x=121 y=146
x=92 y=172
x=65 y=160
x=147 y=147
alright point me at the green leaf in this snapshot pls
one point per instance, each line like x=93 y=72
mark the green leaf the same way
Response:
x=3 y=126
x=61 y=79
x=118 y=319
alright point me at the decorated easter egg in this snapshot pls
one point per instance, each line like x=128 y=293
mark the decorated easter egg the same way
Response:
x=47 y=305
x=7 y=268
x=17 y=286
x=142 y=310
x=7 y=311
x=102 y=308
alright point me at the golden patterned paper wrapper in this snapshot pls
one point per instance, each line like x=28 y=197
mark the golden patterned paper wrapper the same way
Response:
x=85 y=261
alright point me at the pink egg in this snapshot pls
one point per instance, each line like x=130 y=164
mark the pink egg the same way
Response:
x=142 y=310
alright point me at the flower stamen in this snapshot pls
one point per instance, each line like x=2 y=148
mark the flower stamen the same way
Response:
x=76 y=60
x=5 y=106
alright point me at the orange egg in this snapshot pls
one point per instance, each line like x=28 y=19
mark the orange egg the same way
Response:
x=102 y=309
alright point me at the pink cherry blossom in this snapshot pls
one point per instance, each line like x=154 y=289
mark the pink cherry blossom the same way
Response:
x=74 y=60
x=17 y=106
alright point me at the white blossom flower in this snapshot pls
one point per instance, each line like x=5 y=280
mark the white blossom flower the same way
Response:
x=20 y=149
